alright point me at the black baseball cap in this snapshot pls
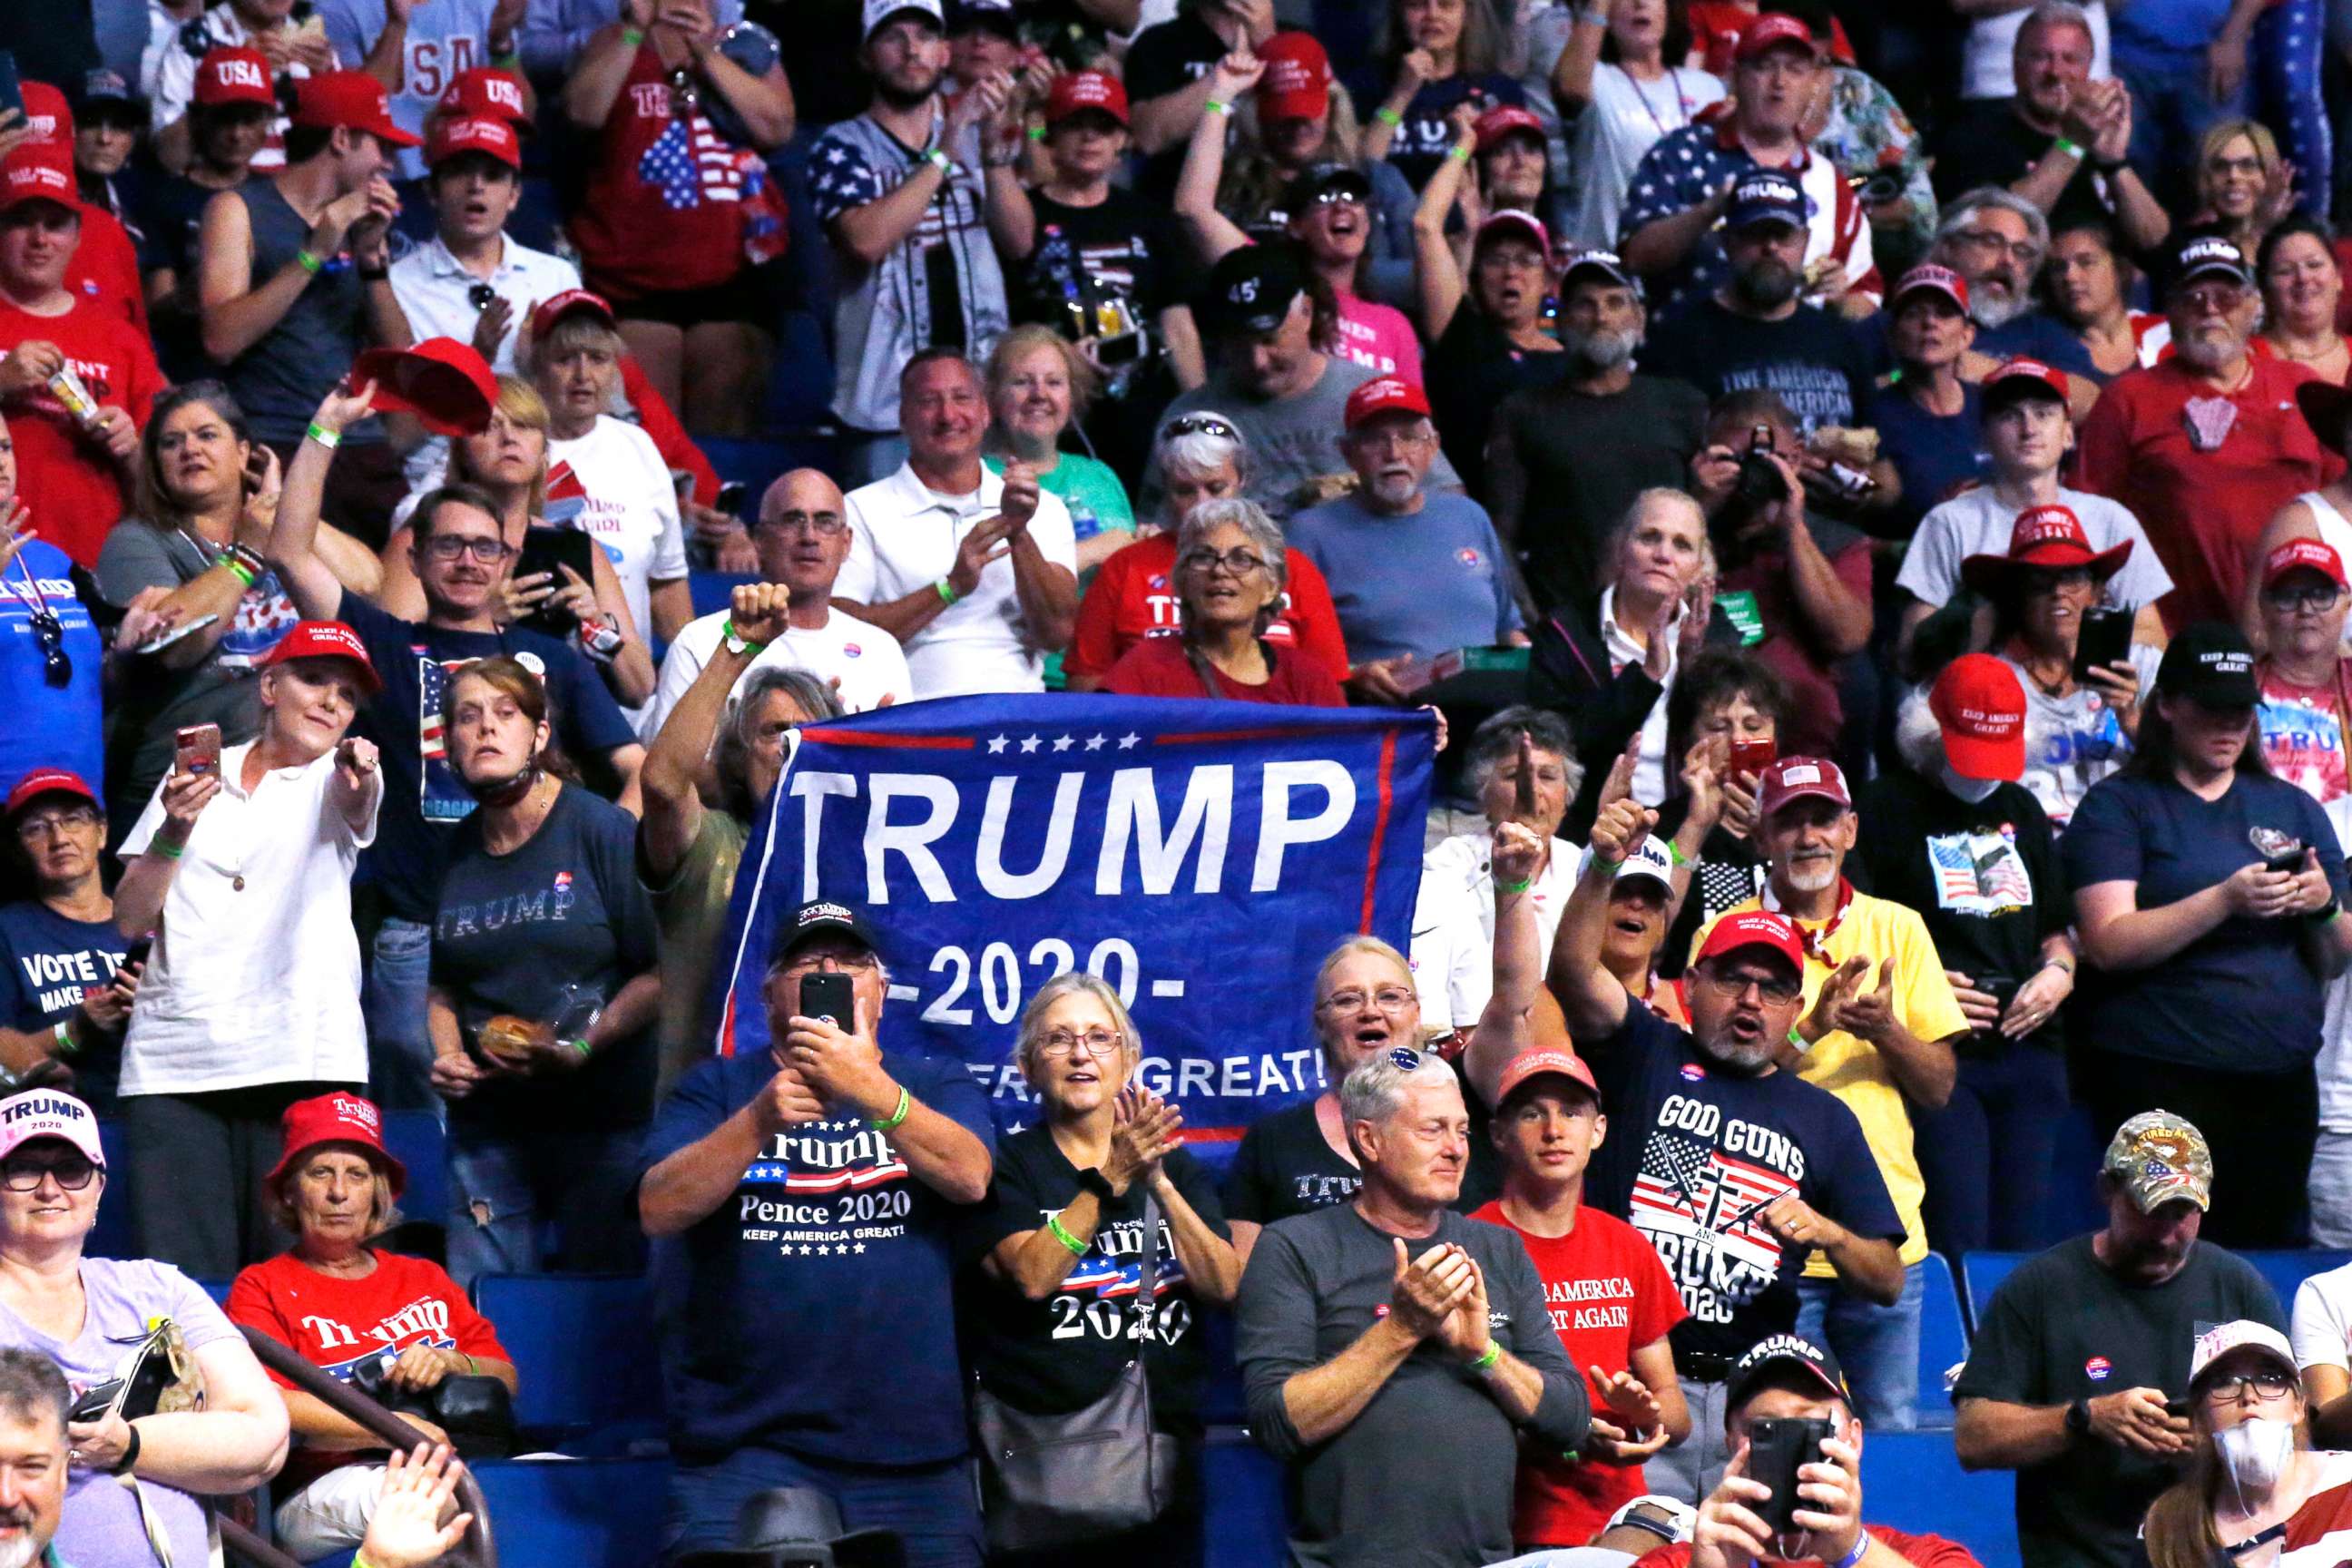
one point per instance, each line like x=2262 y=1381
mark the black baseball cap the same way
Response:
x=819 y=917
x=1316 y=178
x=2202 y=255
x=2211 y=663
x=1252 y=290
x=996 y=15
x=1784 y=1356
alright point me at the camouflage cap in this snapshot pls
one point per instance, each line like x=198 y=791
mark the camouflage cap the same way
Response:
x=2158 y=1157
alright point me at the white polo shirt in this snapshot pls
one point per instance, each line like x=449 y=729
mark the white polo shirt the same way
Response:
x=903 y=536
x=1650 y=762
x=435 y=291
x=861 y=656
x=254 y=976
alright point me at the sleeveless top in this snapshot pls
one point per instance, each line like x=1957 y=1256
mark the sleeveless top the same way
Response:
x=2336 y=532
x=280 y=379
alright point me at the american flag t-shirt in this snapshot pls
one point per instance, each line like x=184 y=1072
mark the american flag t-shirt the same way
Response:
x=689 y=164
x=1695 y=1193
x=1979 y=873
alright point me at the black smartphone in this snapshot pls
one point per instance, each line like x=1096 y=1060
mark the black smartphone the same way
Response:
x=136 y=952
x=546 y=550
x=95 y=1402
x=2001 y=988
x=2287 y=860
x=730 y=497
x=2105 y=639
x=828 y=996
x=12 y=87
x=2177 y=1408
x=1777 y=1445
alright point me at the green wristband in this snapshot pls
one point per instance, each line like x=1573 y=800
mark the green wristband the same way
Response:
x=632 y=37
x=166 y=848
x=1797 y=1038
x=582 y=1046
x=1515 y=886
x=948 y=595
x=240 y=570
x=329 y=439
x=1217 y=106
x=1387 y=117
x=1062 y=1234
x=1674 y=854
x=63 y=1035
x=1494 y=1353
x=1035 y=133
x=308 y=262
x=2072 y=149
x=939 y=161
x=905 y=1103
x=1460 y=153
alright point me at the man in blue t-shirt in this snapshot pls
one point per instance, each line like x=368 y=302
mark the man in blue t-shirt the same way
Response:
x=804 y=1203
x=1732 y=1168
x=65 y=988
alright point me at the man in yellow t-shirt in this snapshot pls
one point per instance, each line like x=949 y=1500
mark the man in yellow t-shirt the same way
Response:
x=1880 y=1019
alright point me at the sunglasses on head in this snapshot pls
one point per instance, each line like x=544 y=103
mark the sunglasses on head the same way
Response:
x=1198 y=424
x=480 y=296
x=1404 y=1058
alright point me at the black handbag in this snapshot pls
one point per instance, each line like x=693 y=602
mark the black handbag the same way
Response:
x=474 y=1408
x=1064 y=1480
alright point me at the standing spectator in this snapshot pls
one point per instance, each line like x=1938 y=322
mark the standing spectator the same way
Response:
x=2205 y=447
x=901 y=191
x=417 y=48
x=2242 y=186
x=229 y=120
x=472 y=281
x=1622 y=81
x=1492 y=334
x=109 y=121
x=2303 y=284
x=1929 y=420
x=2079 y=1352
x=2088 y=281
x=2194 y=939
x=1229 y=557
x=51 y=653
x=105 y=268
x=681 y=216
x=1510 y=152
x=974 y=573
x=1436 y=55
x=66 y=981
x=1567 y=461
x=75 y=437
x=1170 y=76
x=554 y=33
x=544 y=995
x=752 y=1410
x=1364 y=1328
x=1995 y=239
x=250 y=1001
x=1548 y=1122
x=1955 y=837
x=2185 y=62
x=293 y=48
x=1102 y=1167
x=1988 y=62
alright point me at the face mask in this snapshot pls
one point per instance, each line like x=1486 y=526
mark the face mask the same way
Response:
x=1970 y=790
x=2255 y=1452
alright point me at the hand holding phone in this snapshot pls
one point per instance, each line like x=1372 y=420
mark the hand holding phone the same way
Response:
x=828 y=996
x=198 y=749
x=1778 y=1445
x=1752 y=757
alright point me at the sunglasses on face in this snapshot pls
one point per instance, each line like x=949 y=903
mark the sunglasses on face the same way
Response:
x=23 y=1173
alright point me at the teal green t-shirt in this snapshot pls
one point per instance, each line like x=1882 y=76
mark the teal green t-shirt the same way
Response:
x=1097 y=504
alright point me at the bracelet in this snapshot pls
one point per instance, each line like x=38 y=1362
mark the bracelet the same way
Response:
x=2328 y=912
x=473 y=1367
x=240 y=571
x=1674 y=854
x=1494 y=1353
x=166 y=848
x=632 y=37
x=582 y=1046
x=1861 y=1547
x=2071 y=150
x=1035 y=133
x=736 y=641
x=374 y=275
x=1604 y=862
x=329 y=439
x=905 y=1103
x=130 y=1452
x=948 y=595
x=1515 y=886
x=1062 y=1234
x=63 y=1035
x=308 y=262
x=1797 y=1038
x=1387 y=117
x=1460 y=153
x=939 y=161
x=1216 y=106
x=2060 y=964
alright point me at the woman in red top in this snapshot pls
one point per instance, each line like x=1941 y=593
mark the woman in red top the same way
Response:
x=1229 y=577
x=341 y=1304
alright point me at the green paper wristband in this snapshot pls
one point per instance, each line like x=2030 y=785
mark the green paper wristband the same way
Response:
x=1494 y=1353
x=1387 y=117
x=1062 y=1234
x=329 y=439
x=2072 y=149
x=1515 y=886
x=948 y=595
x=166 y=848
x=905 y=1103
x=308 y=262
x=632 y=37
x=1217 y=106
x=63 y=1035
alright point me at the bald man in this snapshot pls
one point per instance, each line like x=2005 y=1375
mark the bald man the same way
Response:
x=803 y=537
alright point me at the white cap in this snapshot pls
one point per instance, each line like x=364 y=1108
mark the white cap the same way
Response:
x=1650 y=859
x=880 y=11
x=2222 y=1338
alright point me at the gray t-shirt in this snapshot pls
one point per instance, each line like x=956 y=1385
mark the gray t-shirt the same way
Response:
x=1423 y=1476
x=1978 y=522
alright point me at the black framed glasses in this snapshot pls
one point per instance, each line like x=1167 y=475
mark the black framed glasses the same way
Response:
x=1239 y=560
x=483 y=548
x=1198 y=424
x=1771 y=988
x=23 y=1172
x=57 y=664
x=2228 y=1388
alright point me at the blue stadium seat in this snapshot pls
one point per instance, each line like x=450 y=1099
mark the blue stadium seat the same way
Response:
x=1912 y=1481
x=575 y=1513
x=1943 y=1339
x=2070 y=1197
x=111 y=1237
x=217 y=1290
x=1984 y=1271
x=1221 y=1401
x=414 y=1139
x=714 y=591
x=583 y=1344
x=2286 y=1271
x=1248 y=1520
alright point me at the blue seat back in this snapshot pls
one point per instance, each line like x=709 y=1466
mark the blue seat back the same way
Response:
x=111 y=1237
x=1983 y=1272
x=2286 y=1271
x=217 y=1290
x=1912 y=1481
x=1943 y=1339
x=414 y=1139
x=581 y=1513
x=1249 y=1521
x=583 y=1345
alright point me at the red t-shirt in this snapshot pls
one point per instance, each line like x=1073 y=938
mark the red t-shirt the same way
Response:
x=1133 y=596
x=1923 y=1550
x=68 y=481
x=1157 y=667
x=1608 y=1296
x=336 y=1323
x=106 y=267
x=2203 y=510
x=664 y=209
x=1816 y=706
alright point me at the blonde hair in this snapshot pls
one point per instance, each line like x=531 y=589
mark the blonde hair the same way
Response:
x=520 y=401
x=1348 y=948
x=1252 y=182
x=2220 y=135
x=1086 y=381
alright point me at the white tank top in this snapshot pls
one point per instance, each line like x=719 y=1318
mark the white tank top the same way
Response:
x=2336 y=532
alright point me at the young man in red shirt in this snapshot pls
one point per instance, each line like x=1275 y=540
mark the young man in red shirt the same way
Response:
x=1611 y=1301
x=75 y=453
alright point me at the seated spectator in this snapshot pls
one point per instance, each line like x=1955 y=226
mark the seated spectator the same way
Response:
x=1364 y=1330
x=732 y=717
x=2300 y=720
x=344 y=1305
x=977 y=603
x=2241 y=187
x=1726 y=695
x=1996 y=239
x=762 y=1412
x=684 y=255
x=418 y=55
x=2194 y=938
x=1040 y=386
x=541 y=1023
x=1548 y=1122
x=86 y=1314
x=2058 y=1389
x=66 y=979
x=2303 y=284
x=1415 y=571
x=2323 y=514
x=228 y=121
x=2323 y=1350
x=291 y=50
x=1229 y=586
x=1199 y=458
x=1617 y=76
x=109 y=121
x=2088 y=281
x=207 y=493
x=1104 y=1166
x=1270 y=328
x=77 y=380
x=1928 y=419
x=51 y=652
x=240 y=866
x=1491 y=336
x=1435 y=59
x=1566 y=462
x=2206 y=447
x=1171 y=81
x=1955 y=837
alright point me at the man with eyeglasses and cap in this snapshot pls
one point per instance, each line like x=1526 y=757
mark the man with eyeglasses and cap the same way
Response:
x=66 y=981
x=1735 y=1170
x=2081 y=1352
x=809 y=1196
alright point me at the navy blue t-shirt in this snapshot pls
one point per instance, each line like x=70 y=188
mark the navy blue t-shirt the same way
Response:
x=812 y=1311
x=46 y=961
x=1934 y=454
x=1421 y=141
x=421 y=796
x=2240 y=998
x=2037 y=336
x=1821 y=364
x=1695 y=1155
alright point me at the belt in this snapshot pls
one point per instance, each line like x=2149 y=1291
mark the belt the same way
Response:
x=1698 y=1367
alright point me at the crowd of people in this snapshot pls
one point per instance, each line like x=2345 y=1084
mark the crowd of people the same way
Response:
x=1864 y=491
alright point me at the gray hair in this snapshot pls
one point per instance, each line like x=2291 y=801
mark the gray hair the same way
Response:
x=2056 y=14
x=1962 y=214
x=1374 y=1090
x=1074 y=983
x=31 y=1387
x=1202 y=451
x=1498 y=738
x=1265 y=536
x=733 y=753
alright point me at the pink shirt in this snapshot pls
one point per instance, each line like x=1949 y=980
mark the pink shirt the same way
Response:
x=1379 y=338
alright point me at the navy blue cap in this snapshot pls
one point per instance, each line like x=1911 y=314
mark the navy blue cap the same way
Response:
x=1765 y=196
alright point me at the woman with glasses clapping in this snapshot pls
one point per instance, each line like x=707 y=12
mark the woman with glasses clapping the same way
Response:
x=1230 y=568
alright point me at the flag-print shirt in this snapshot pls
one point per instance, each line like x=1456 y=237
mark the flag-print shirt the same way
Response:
x=2303 y=731
x=1697 y=1152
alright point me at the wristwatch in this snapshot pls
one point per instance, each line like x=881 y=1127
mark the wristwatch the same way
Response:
x=1093 y=1181
x=2078 y=1418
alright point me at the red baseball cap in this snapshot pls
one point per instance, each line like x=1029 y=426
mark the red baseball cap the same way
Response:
x=446 y=384
x=47 y=781
x=34 y=173
x=1083 y=91
x=234 y=76
x=1794 y=778
x=1931 y=280
x=1981 y=708
x=1511 y=221
x=2048 y=535
x=324 y=639
x=1770 y=31
x=1297 y=81
x=337 y=1117
x=2020 y=377
x=449 y=137
x=1506 y=120
x=555 y=307
x=348 y=101
x=1385 y=394
x=1755 y=927
x=48 y=115
x=487 y=92
x=1536 y=1063
x=2303 y=555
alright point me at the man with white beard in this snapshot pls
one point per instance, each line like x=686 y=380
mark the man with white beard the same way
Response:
x=1995 y=239
x=1566 y=462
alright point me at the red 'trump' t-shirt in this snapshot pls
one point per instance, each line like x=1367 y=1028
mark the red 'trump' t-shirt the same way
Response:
x=68 y=481
x=1133 y=596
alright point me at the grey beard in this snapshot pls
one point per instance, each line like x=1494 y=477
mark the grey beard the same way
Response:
x=1993 y=311
x=1595 y=352
x=1811 y=880
x=1394 y=493
x=1747 y=1058
x=2208 y=358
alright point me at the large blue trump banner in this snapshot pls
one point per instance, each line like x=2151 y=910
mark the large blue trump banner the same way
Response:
x=1199 y=857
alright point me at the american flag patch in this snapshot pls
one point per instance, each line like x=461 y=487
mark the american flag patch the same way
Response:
x=1979 y=873
x=690 y=165
x=1687 y=1189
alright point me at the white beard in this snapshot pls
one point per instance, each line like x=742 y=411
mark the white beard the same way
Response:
x=1993 y=311
x=21 y=1553
x=1806 y=880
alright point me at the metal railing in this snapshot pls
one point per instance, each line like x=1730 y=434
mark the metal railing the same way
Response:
x=478 y=1549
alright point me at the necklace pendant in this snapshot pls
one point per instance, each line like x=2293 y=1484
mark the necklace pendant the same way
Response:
x=236 y=884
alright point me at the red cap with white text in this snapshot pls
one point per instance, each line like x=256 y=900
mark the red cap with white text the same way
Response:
x=1981 y=708
x=1385 y=394
x=2303 y=555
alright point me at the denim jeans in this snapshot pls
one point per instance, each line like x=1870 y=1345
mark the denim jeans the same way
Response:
x=931 y=1507
x=1987 y=1153
x=509 y=1187
x=1878 y=1346
x=400 y=1052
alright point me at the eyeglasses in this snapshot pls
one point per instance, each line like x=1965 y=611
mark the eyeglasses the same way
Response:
x=1732 y=987
x=2025 y=250
x=2303 y=601
x=57 y=664
x=482 y=547
x=1237 y=560
x=1067 y=1043
x=2056 y=578
x=1332 y=197
x=23 y=1173
x=2219 y=298
x=1387 y=999
x=824 y=524
x=2230 y=1387
x=856 y=964
x=1198 y=424
x=481 y=296
x=31 y=830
